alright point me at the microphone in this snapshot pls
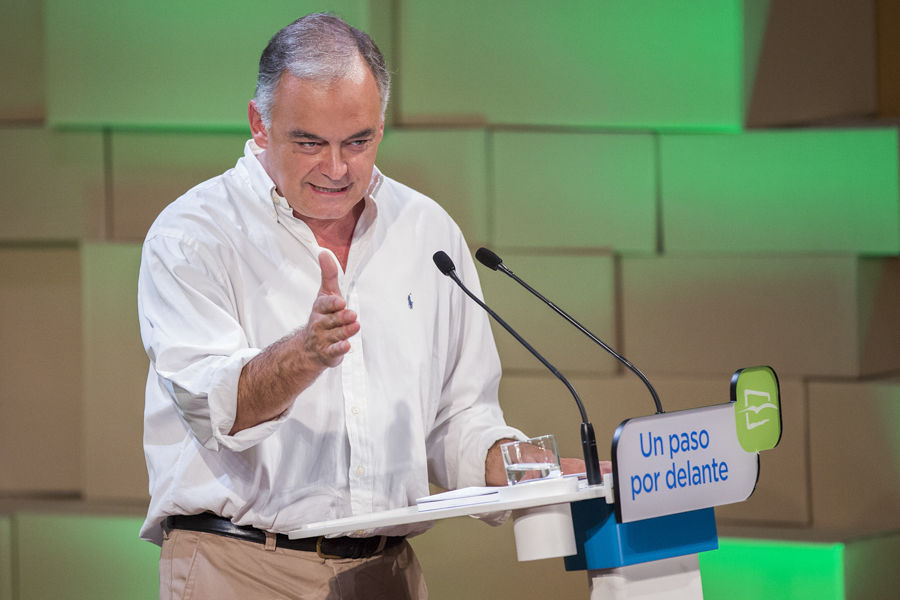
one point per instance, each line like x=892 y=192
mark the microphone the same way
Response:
x=588 y=440
x=494 y=262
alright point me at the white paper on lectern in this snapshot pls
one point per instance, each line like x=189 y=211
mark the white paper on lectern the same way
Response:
x=462 y=497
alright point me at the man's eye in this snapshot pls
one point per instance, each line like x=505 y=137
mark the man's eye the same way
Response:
x=308 y=145
x=359 y=143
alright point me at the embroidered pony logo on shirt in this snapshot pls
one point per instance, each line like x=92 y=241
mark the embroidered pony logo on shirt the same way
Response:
x=409 y=300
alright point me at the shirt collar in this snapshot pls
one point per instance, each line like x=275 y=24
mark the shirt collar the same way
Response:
x=260 y=182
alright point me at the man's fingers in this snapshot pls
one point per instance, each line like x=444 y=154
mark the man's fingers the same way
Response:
x=336 y=349
x=329 y=275
x=335 y=343
x=571 y=466
x=339 y=332
x=327 y=304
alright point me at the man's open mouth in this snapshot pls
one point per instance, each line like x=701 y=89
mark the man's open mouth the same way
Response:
x=330 y=190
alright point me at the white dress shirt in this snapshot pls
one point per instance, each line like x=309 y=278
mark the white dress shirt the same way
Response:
x=226 y=270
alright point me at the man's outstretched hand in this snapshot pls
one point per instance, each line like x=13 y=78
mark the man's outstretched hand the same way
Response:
x=326 y=337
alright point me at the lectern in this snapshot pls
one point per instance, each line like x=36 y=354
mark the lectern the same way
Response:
x=638 y=533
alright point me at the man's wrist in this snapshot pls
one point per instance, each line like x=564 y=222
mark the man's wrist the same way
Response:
x=494 y=471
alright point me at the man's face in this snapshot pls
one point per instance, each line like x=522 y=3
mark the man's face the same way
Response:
x=320 y=147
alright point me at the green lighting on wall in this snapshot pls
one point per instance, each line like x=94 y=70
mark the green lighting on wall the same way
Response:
x=818 y=190
x=743 y=569
x=166 y=64
x=653 y=64
x=83 y=556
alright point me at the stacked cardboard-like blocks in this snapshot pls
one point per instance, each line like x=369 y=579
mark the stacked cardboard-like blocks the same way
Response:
x=703 y=184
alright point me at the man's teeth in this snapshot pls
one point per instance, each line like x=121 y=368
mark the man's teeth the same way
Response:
x=327 y=189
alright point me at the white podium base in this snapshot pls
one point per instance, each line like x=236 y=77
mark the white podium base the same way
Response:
x=675 y=578
x=544 y=532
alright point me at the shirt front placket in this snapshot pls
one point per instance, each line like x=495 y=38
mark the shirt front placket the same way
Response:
x=353 y=375
x=357 y=413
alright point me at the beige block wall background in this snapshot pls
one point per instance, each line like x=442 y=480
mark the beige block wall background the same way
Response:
x=77 y=200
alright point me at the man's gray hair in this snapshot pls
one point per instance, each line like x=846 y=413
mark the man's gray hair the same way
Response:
x=320 y=47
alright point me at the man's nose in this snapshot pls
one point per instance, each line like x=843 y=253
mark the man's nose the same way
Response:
x=334 y=166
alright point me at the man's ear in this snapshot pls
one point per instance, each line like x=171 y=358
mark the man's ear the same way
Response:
x=257 y=127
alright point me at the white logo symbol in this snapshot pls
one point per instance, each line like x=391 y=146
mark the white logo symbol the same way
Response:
x=756 y=408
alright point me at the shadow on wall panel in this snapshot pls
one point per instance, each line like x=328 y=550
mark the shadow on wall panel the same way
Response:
x=53 y=186
x=449 y=166
x=40 y=369
x=151 y=169
x=115 y=375
x=22 y=77
x=799 y=314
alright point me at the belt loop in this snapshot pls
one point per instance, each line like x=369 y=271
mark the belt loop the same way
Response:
x=381 y=544
x=323 y=555
x=270 y=541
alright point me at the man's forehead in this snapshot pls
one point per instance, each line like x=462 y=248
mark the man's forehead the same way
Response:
x=296 y=91
x=356 y=70
x=336 y=109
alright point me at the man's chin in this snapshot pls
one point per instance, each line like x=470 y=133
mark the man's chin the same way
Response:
x=331 y=212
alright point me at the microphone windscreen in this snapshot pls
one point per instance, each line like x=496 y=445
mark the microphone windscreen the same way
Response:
x=443 y=262
x=488 y=258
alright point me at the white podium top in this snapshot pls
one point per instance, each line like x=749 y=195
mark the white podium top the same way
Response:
x=527 y=495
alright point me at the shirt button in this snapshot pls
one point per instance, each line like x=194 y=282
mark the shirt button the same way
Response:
x=355 y=410
x=360 y=470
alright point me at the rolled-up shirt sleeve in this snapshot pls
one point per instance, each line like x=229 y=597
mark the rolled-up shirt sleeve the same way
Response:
x=196 y=345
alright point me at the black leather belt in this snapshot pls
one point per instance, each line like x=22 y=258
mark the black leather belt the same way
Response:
x=340 y=547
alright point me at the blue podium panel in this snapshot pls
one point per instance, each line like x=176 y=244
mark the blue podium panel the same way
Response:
x=604 y=543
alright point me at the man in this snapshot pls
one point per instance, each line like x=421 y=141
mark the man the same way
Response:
x=308 y=362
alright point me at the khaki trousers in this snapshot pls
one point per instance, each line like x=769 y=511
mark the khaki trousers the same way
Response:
x=204 y=565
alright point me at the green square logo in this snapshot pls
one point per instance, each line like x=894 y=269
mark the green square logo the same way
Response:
x=757 y=408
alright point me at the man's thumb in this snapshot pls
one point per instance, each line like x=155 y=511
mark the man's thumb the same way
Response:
x=329 y=274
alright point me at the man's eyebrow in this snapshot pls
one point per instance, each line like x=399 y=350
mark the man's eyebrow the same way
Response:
x=299 y=133
x=362 y=134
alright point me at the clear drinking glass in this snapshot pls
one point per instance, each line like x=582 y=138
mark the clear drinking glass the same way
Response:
x=531 y=459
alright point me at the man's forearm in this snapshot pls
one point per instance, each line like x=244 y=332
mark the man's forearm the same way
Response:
x=270 y=381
